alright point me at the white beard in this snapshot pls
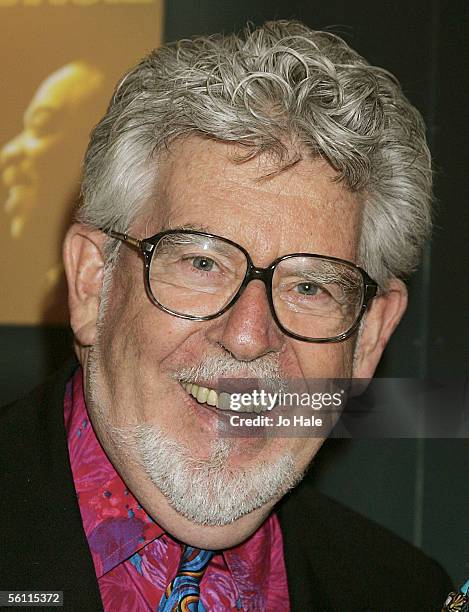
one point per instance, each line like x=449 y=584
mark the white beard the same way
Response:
x=206 y=491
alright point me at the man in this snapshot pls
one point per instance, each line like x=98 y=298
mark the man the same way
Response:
x=40 y=168
x=250 y=205
x=59 y=107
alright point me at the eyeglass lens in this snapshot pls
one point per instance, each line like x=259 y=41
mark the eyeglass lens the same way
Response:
x=196 y=275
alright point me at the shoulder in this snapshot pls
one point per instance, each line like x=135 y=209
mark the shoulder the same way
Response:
x=33 y=444
x=32 y=437
x=350 y=554
x=42 y=535
x=47 y=395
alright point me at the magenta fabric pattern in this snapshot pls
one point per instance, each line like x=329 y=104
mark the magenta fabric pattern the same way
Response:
x=135 y=559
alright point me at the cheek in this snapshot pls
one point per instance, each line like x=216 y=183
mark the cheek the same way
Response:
x=321 y=360
x=168 y=340
x=119 y=337
x=138 y=343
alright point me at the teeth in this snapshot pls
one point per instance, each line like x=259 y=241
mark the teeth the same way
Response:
x=204 y=395
x=194 y=391
x=212 y=398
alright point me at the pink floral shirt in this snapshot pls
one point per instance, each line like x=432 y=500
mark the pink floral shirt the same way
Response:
x=135 y=559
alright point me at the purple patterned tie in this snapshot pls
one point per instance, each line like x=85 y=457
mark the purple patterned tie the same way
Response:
x=183 y=592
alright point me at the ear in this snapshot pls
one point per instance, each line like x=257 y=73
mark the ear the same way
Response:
x=84 y=264
x=381 y=320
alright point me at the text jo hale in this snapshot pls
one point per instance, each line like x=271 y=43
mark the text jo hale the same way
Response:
x=237 y=420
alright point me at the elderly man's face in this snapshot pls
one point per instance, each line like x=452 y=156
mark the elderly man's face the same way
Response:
x=158 y=436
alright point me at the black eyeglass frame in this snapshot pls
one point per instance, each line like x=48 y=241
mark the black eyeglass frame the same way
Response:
x=146 y=246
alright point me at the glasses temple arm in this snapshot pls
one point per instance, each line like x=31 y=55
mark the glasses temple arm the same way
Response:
x=125 y=238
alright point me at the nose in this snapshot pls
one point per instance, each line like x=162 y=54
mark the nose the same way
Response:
x=248 y=330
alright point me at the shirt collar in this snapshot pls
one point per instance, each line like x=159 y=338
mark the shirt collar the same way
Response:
x=115 y=524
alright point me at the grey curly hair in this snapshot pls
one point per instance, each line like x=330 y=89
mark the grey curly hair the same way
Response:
x=278 y=84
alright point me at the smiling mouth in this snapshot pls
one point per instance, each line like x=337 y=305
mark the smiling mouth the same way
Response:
x=218 y=400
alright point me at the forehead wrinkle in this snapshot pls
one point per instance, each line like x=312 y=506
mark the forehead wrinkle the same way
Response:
x=254 y=174
x=246 y=194
x=236 y=182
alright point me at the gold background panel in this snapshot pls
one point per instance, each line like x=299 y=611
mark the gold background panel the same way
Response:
x=60 y=63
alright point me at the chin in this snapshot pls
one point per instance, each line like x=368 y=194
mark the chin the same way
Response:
x=210 y=491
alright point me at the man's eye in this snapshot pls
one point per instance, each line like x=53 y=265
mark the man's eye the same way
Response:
x=203 y=263
x=307 y=289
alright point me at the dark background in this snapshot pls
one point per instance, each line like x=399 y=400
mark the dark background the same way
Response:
x=418 y=488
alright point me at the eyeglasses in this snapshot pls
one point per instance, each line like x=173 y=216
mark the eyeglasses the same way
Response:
x=199 y=276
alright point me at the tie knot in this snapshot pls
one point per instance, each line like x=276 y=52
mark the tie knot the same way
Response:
x=195 y=560
x=183 y=592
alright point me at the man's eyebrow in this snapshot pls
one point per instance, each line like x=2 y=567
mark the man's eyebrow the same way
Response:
x=192 y=227
x=221 y=247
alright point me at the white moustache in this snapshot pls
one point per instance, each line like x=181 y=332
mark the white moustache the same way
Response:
x=213 y=367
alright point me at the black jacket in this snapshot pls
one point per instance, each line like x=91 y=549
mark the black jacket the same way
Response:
x=336 y=560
